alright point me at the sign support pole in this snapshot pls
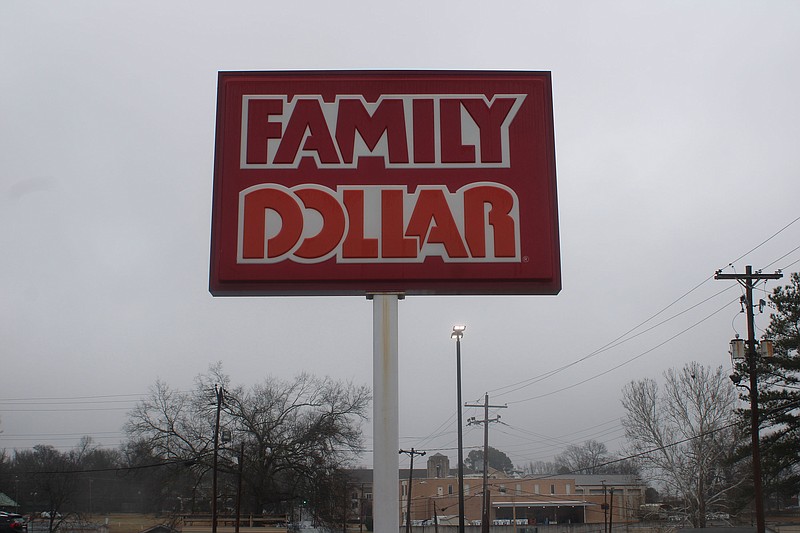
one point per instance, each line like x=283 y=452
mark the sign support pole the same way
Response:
x=385 y=408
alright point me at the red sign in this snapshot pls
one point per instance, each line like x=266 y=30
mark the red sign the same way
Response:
x=374 y=181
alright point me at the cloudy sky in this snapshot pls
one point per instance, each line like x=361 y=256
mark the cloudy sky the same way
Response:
x=677 y=126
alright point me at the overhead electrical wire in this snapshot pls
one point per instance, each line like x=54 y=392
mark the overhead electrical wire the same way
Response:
x=60 y=398
x=66 y=410
x=560 y=440
x=531 y=448
x=513 y=387
x=610 y=345
x=765 y=241
x=787 y=267
x=627 y=361
x=626 y=336
x=784 y=256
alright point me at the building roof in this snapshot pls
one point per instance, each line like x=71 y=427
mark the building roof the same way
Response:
x=543 y=503
x=364 y=475
x=609 y=480
x=5 y=501
x=718 y=530
x=160 y=528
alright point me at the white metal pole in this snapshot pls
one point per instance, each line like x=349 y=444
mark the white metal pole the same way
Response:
x=386 y=436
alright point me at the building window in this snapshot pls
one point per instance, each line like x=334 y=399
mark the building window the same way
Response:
x=552 y=489
x=440 y=491
x=502 y=489
x=466 y=489
x=569 y=489
x=449 y=489
x=536 y=489
x=519 y=489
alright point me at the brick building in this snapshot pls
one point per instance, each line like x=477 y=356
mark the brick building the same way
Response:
x=555 y=499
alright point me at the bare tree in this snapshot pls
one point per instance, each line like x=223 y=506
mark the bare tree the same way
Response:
x=587 y=458
x=53 y=480
x=295 y=433
x=540 y=468
x=685 y=434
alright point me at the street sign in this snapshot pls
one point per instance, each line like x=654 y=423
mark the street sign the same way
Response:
x=350 y=183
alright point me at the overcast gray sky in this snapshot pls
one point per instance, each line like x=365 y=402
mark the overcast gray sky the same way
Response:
x=677 y=130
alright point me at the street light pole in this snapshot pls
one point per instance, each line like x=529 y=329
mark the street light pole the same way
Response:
x=458 y=332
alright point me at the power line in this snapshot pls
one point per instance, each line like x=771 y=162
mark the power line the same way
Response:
x=610 y=345
x=60 y=398
x=791 y=264
x=65 y=402
x=765 y=241
x=181 y=462
x=624 y=337
x=628 y=361
x=783 y=256
x=66 y=410
x=619 y=340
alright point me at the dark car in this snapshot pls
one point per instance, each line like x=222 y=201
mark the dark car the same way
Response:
x=12 y=523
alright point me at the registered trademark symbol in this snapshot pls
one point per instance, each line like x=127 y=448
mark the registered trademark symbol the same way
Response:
x=525 y=259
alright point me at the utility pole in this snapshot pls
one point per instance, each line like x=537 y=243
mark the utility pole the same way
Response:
x=611 y=512
x=485 y=422
x=748 y=281
x=411 y=453
x=239 y=488
x=605 y=507
x=219 y=392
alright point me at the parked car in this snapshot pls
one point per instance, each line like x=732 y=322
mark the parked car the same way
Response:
x=12 y=523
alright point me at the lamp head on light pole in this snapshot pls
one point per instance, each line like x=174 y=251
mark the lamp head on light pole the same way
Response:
x=458 y=331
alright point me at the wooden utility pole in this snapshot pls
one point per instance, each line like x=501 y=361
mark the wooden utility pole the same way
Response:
x=220 y=394
x=611 y=512
x=605 y=507
x=239 y=488
x=411 y=453
x=748 y=281
x=485 y=422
